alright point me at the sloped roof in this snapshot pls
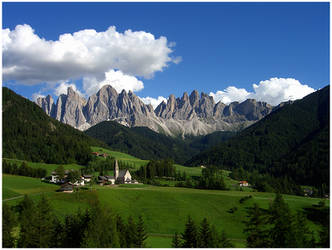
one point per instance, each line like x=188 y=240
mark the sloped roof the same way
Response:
x=122 y=173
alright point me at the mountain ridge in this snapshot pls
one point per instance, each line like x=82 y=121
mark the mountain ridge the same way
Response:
x=192 y=114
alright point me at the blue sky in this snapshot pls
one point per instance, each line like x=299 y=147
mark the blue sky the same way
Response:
x=221 y=44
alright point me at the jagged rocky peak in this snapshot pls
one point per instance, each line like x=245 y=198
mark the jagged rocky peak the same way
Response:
x=195 y=114
x=46 y=103
x=194 y=98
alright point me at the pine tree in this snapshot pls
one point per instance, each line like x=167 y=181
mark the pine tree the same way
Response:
x=280 y=233
x=224 y=241
x=141 y=235
x=302 y=236
x=60 y=171
x=121 y=228
x=190 y=234
x=131 y=232
x=101 y=230
x=205 y=236
x=255 y=228
x=8 y=223
x=45 y=222
x=29 y=234
x=176 y=242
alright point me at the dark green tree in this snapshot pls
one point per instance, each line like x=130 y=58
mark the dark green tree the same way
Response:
x=101 y=229
x=190 y=236
x=131 y=232
x=302 y=236
x=141 y=235
x=74 y=176
x=9 y=221
x=224 y=242
x=60 y=171
x=255 y=228
x=29 y=233
x=205 y=235
x=45 y=222
x=176 y=241
x=280 y=219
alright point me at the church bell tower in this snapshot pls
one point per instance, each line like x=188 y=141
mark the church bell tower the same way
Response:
x=116 y=169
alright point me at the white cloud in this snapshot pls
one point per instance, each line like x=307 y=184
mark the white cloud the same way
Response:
x=116 y=79
x=153 y=101
x=277 y=90
x=63 y=87
x=230 y=94
x=273 y=91
x=30 y=59
x=35 y=96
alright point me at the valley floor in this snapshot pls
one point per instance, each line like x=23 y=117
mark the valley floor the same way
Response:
x=164 y=209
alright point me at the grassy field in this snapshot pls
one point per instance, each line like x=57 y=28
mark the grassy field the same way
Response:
x=137 y=163
x=14 y=186
x=48 y=167
x=164 y=209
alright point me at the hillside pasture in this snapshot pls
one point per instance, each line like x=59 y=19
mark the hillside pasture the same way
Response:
x=49 y=167
x=16 y=186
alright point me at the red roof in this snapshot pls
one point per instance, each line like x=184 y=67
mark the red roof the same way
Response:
x=243 y=182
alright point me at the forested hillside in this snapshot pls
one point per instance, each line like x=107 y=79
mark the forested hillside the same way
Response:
x=29 y=134
x=146 y=144
x=291 y=144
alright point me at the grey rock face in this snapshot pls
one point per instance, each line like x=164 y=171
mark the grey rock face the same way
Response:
x=47 y=104
x=189 y=115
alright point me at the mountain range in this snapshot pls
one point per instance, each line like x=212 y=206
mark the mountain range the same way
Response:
x=192 y=114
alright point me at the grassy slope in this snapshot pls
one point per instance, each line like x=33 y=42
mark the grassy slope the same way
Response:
x=164 y=209
x=13 y=186
x=48 y=167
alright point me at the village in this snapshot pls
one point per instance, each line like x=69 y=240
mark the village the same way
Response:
x=69 y=180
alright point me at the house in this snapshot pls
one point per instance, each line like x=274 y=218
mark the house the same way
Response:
x=55 y=177
x=307 y=192
x=87 y=178
x=95 y=153
x=79 y=182
x=103 y=155
x=110 y=179
x=243 y=184
x=66 y=188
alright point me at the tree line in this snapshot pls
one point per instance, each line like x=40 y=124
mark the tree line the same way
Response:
x=157 y=168
x=96 y=227
x=23 y=169
x=200 y=236
x=278 y=227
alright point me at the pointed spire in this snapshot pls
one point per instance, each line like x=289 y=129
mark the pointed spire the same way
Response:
x=116 y=169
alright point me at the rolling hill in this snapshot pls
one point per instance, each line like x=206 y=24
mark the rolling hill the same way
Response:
x=144 y=143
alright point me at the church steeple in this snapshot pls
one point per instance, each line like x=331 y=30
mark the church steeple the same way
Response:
x=116 y=169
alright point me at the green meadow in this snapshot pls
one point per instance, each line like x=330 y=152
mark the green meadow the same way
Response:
x=48 y=167
x=14 y=186
x=164 y=209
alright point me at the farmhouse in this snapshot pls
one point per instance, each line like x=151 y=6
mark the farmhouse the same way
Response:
x=87 y=178
x=243 y=184
x=55 y=177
